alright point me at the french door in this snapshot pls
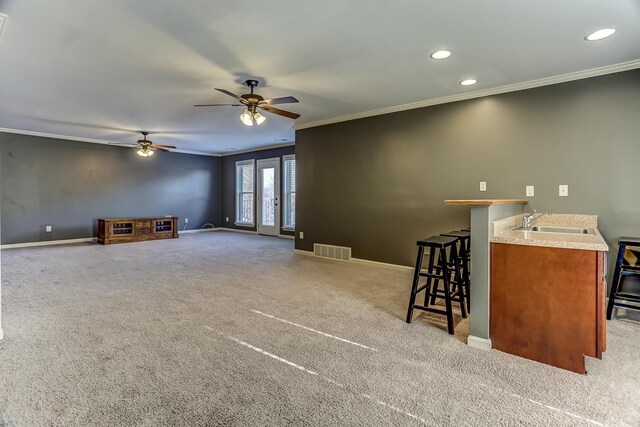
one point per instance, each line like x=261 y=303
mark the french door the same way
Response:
x=269 y=196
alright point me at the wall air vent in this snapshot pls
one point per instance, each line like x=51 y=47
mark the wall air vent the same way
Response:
x=334 y=252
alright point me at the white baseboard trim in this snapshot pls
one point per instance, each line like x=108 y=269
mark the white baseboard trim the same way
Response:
x=197 y=230
x=302 y=252
x=237 y=230
x=94 y=239
x=479 y=343
x=48 y=243
x=360 y=261
x=382 y=264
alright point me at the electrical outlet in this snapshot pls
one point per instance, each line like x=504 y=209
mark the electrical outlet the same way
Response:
x=227 y=219
x=483 y=186
x=186 y=220
x=302 y=235
x=563 y=190
x=530 y=191
x=47 y=228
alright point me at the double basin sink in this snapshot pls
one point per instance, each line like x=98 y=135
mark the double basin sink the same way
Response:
x=566 y=230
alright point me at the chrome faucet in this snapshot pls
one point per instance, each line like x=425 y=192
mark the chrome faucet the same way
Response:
x=528 y=219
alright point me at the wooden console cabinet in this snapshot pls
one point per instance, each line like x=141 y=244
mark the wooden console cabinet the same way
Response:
x=125 y=230
x=548 y=304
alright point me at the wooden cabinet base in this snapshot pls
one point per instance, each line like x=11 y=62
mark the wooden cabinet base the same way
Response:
x=547 y=304
x=126 y=230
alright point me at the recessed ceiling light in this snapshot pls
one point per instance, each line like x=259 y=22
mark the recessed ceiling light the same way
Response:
x=229 y=149
x=468 y=82
x=440 y=54
x=600 y=34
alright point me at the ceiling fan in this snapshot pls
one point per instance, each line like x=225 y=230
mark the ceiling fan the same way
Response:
x=253 y=102
x=146 y=147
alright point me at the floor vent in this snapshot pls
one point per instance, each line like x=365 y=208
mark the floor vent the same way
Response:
x=334 y=252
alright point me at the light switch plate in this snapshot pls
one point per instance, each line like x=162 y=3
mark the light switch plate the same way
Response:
x=483 y=186
x=47 y=229
x=530 y=191
x=563 y=190
x=301 y=235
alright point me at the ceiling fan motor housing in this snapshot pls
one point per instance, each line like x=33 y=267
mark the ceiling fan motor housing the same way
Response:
x=144 y=142
x=252 y=98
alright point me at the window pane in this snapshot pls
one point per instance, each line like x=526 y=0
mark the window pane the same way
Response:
x=268 y=197
x=244 y=192
x=246 y=208
x=290 y=192
x=247 y=179
x=291 y=219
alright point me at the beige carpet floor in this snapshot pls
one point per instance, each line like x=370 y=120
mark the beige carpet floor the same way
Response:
x=230 y=329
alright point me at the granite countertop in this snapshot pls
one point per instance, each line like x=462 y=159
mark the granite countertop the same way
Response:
x=503 y=231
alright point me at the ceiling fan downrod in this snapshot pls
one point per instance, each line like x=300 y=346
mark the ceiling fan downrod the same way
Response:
x=251 y=84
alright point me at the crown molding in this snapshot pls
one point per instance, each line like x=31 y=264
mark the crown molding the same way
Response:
x=93 y=141
x=594 y=72
x=261 y=148
x=119 y=144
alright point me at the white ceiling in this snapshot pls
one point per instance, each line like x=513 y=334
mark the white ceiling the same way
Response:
x=99 y=70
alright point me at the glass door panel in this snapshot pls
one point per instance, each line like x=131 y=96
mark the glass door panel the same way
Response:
x=268 y=196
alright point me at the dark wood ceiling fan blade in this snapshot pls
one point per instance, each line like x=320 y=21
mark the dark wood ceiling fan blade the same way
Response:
x=163 y=146
x=283 y=100
x=233 y=95
x=219 y=105
x=155 y=147
x=279 y=112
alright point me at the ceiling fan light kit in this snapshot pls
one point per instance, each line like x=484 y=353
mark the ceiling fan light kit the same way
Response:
x=249 y=118
x=146 y=148
x=259 y=118
x=144 y=152
x=253 y=101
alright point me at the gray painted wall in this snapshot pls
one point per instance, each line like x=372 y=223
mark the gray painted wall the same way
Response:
x=70 y=184
x=229 y=182
x=377 y=184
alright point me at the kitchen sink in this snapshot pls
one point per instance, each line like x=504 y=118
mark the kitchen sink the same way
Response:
x=569 y=230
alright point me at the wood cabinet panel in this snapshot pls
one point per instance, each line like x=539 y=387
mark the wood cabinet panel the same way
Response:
x=124 y=230
x=546 y=304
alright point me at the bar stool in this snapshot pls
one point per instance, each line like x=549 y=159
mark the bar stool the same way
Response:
x=624 y=268
x=464 y=256
x=443 y=270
